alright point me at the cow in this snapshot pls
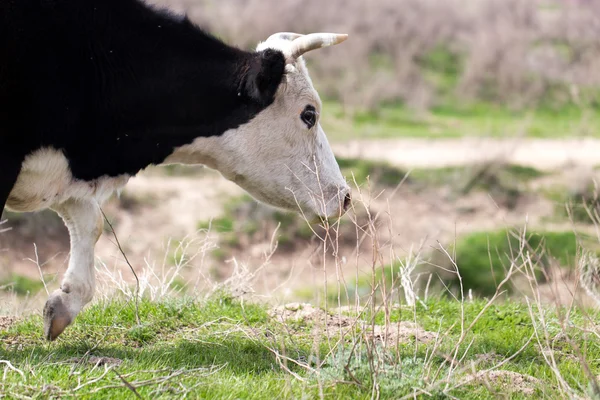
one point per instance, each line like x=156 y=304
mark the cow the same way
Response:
x=94 y=91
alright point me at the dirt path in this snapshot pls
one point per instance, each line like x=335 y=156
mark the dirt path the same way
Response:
x=422 y=153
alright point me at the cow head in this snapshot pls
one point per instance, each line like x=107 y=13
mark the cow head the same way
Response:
x=282 y=156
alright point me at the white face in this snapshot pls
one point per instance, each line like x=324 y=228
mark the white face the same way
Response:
x=280 y=157
x=281 y=160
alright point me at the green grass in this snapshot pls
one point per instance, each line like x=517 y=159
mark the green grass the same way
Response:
x=483 y=259
x=224 y=349
x=453 y=121
x=503 y=330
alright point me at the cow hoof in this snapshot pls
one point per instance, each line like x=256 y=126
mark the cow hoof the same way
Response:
x=56 y=315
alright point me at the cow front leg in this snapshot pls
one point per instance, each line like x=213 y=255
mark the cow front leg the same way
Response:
x=84 y=220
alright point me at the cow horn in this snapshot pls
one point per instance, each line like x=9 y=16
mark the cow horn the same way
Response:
x=284 y=36
x=314 y=41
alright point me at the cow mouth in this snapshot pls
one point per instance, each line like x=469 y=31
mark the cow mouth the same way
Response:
x=312 y=208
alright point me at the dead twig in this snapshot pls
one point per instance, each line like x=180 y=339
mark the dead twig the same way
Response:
x=137 y=281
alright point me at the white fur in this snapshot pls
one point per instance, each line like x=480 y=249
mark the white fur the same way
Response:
x=84 y=221
x=45 y=180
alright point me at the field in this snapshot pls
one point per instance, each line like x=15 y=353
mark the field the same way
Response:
x=466 y=268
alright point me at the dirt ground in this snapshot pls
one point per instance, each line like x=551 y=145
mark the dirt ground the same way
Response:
x=545 y=154
x=155 y=207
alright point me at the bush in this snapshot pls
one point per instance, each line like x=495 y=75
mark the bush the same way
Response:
x=483 y=258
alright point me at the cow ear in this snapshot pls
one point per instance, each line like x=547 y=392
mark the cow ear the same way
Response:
x=264 y=75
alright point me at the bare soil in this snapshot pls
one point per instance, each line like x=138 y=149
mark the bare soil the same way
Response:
x=509 y=381
x=545 y=154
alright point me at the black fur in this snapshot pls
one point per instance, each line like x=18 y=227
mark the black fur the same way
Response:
x=117 y=86
x=264 y=76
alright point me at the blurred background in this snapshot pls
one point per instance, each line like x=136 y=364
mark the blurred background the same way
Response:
x=469 y=128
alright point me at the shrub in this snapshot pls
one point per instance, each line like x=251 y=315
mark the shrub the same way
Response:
x=483 y=258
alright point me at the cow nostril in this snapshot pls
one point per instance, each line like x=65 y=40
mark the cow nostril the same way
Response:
x=347 y=201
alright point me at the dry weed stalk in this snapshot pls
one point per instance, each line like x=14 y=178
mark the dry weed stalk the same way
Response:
x=157 y=282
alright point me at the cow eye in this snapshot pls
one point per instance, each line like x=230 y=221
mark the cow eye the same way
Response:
x=309 y=116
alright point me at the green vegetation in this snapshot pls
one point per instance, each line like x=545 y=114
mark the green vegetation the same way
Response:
x=368 y=285
x=453 y=121
x=223 y=348
x=21 y=285
x=506 y=183
x=483 y=258
x=502 y=331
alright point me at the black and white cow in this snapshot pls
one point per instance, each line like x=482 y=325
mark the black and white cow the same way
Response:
x=93 y=91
